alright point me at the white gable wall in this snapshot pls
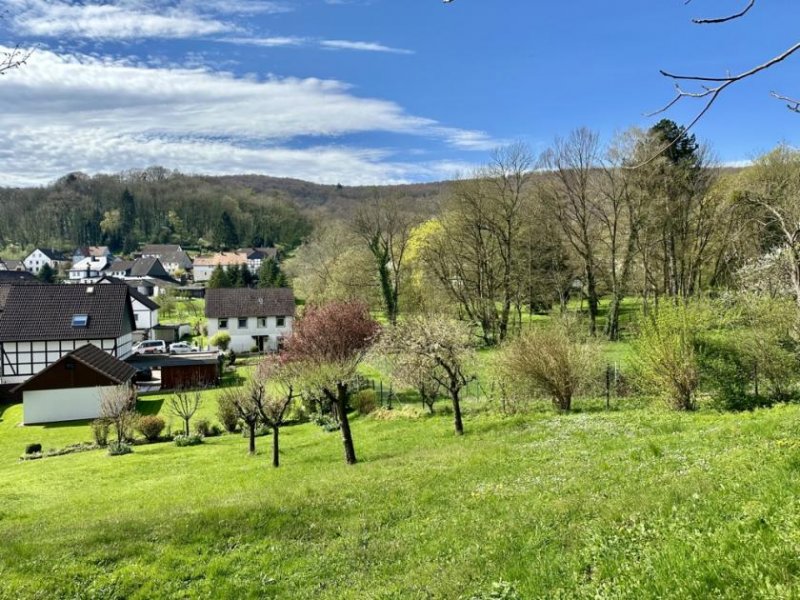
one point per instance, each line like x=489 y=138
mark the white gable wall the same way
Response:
x=52 y=406
x=36 y=260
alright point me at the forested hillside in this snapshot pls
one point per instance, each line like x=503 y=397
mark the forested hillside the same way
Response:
x=157 y=205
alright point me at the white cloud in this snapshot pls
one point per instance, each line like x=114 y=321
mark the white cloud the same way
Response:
x=278 y=41
x=122 y=20
x=362 y=46
x=62 y=114
x=128 y=19
x=266 y=42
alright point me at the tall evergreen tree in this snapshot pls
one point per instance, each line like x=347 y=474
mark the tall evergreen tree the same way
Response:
x=246 y=276
x=219 y=278
x=47 y=274
x=235 y=276
x=270 y=275
x=226 y=234
x=127 y=212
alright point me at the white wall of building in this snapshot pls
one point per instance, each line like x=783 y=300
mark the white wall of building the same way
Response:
x=36 y=260
x=88 y=268
x=244 y=338
x=144 y=318
x=51 y=406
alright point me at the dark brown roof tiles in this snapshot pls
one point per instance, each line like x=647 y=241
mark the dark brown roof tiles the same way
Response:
x=249 y=302
x=45 y=312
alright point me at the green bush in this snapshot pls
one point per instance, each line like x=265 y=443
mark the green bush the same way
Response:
x=202 y=427
x=751 y=359
x=364 y=401
x=117 y=448
x=181 y=440
x=556 y=361
x=100 y=429
x=221 y=340
x=226 y=413
x=150 y=426
x=665 y=353
x=327 y=422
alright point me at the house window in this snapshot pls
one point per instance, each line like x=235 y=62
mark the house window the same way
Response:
x=262 y=322
x=243 y=323
x=80 y=320
x=223 y=323
x=281 y=321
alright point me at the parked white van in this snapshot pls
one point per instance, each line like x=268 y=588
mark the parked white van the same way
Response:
x=150 y=347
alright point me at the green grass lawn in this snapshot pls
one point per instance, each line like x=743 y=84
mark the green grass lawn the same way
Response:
x=632 y=503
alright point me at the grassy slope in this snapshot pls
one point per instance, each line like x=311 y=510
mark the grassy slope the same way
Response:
x=632 y=503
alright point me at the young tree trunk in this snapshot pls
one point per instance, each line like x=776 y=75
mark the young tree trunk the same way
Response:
x=459 y=424
x=612 y=321
x=796 y=274
x=344 y=420
x=252 y=430
x=186 y=426
x=591 y=296
x=276 y=461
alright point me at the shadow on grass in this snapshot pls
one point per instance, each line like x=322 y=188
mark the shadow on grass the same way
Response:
x=64 y=424
x=3 y=409
x=149 y=407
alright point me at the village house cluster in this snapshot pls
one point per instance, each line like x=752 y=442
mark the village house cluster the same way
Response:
x=63 y=342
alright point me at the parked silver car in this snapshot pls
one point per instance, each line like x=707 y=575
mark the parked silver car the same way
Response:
x=182 y=348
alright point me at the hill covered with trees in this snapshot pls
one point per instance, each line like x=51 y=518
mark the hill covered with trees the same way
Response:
x=156 y=205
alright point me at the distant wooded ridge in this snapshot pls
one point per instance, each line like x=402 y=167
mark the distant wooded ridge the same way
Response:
x=157 y=205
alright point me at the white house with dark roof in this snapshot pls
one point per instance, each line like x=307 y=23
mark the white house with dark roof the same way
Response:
x=89 y=268
x=256 y=319
x=147 y=275
x=40 y=257
x=41 y=323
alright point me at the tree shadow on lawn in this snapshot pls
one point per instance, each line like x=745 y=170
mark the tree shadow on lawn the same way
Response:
x=149 y=406
x=3 y=408
x=64 y=424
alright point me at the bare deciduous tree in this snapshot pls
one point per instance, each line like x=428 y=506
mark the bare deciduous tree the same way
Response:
x=278 y=381
x=385 y=226
x=439 y=347
x=184 y=404
x=476 y=255
x=571 y=194
x=117 y=406
x=245 y=402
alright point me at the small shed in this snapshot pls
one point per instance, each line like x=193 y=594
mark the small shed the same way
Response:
x=185 y=371
x=71 y=388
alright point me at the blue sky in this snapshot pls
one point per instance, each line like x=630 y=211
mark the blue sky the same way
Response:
x=368 y=91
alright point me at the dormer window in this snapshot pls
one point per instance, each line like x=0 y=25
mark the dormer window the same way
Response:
x=80 y=320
